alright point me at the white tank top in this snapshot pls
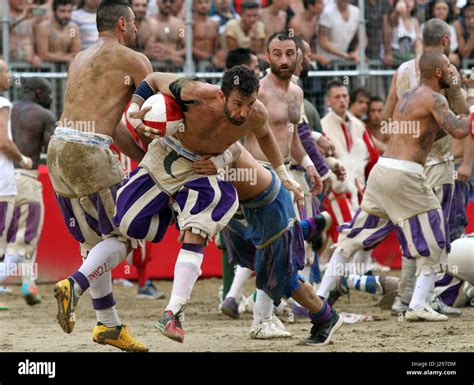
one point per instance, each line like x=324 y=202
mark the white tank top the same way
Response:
x=401 y=31
x=7 y=170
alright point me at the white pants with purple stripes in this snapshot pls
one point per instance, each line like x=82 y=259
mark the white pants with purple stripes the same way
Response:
x=398 y=196
x=7 y=204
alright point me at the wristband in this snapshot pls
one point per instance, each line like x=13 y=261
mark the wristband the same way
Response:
x=222 y=160
x=144 y=90
x=316 y=135
x=133 y=107
x=23 y=161
x=306 y=162
x=282 y=172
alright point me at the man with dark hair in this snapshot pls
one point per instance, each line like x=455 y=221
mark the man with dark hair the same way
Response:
x=86 y=174
x=359 y=102
x=146 y=25
x=242 y=56
x=214 y=119
x=439 y=166
x=32 y=127
x=58 y=39
x=274 y=16
x=374 y=123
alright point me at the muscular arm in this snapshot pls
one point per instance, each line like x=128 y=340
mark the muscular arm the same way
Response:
x=49 y=123
x=454 y=126
x=391 y=101
x=127 y=144
x=456 y=99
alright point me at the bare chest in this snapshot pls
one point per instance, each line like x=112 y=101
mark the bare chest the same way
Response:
x=167 y=33
x=60 y=40
x=204 y=31
x=282 y=110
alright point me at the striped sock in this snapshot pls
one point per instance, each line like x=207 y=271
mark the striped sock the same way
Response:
x=321 y=316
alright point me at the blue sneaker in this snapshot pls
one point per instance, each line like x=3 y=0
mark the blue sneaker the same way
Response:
x=150 y=291
x=30 y=294
x=230 y=308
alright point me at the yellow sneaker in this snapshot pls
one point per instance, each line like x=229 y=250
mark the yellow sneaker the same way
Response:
x=67 y=302
x=117 y=336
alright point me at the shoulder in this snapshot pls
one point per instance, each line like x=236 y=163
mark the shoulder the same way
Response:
x=296 y=91
x=260 y=114
x=45 y=25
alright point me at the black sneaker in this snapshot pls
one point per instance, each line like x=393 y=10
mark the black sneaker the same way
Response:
x=340 y=290
x=321 y=333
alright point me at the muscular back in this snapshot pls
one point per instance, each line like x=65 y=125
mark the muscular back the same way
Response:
x=32 y=126
x=100 y=82
x=414 y=128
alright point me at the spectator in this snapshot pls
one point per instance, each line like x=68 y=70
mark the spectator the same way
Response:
x=375 y=11
x=374 y=124
x=21 y=38
x=205 y=35
x=404 y=29
x=146 y=25
x=306 y=25
x=243 y=56
x=166 y=44
x=465 y=31
x=443 y=9
x=359 y=103
x=296 y=6
x=58 y=39
x=337 y=29
x=85 y=17
x=178 y=9
x=238 y=4
x=247 y=32
x=223 y=13
x=274 y=16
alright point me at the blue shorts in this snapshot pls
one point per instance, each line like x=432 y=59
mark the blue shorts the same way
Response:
x=265 y=236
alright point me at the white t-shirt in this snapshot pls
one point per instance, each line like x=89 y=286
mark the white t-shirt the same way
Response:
x=7 y=170
x=341 y=32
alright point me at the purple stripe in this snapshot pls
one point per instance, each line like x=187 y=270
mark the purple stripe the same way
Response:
x=322 y=316
x=435 y=224
x=104 y=225
x=370 y=223
x=193 y=247
x=378 y=236
x=228 y=198
x=349 y=225
x=403 y=242
x=315 y=207
x=446 y=205
x=12 y=231
x=418 y=237
x=3 y=216
x=69 y=218
x=205 y=194
x=32 y=221
x=444 y=281
x=450 y=295
x=103 y=303
x=81 y=280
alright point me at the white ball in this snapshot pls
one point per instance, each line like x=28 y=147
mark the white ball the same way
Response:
x=165 y=114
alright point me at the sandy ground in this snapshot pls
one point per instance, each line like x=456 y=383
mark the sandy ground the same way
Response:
x=30 y=329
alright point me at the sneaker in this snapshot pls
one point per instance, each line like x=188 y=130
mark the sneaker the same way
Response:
x=341 y=289
x=440 y=307
x=425 y=314
x=268 y=329
x=3 y=307
x=149 y=291
x=117 y=336
x=67 y=303
x=5 y=290
x=30 y=294
x=230 y=308
x=466 y=292
x=169 y=325
x=398 y=307
x=321 y=334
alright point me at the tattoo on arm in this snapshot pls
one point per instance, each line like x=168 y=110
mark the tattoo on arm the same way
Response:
x=456 y=127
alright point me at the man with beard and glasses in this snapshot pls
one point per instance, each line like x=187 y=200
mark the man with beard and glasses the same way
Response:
x=86 y=174
x=32 y=127
x=58 y=40
x=398 y=195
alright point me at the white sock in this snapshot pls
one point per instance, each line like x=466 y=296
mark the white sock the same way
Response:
x=263 y=307
x=102 y=258
x=424 y=284
x=186 y=272
x=7 y=265
x=241 y=276
x=334 y=270
x=100 y=288
x=108 y=317
x=360 y=261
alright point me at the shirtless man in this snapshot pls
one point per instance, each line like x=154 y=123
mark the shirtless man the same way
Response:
x=205 y=33
x=398 y=194
x=305 y=24
x=274 y=17
x=32 y=127
x=146 y=25
x=167 y=41
x=86 y=174
x=439 y=169
x=58 y=39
